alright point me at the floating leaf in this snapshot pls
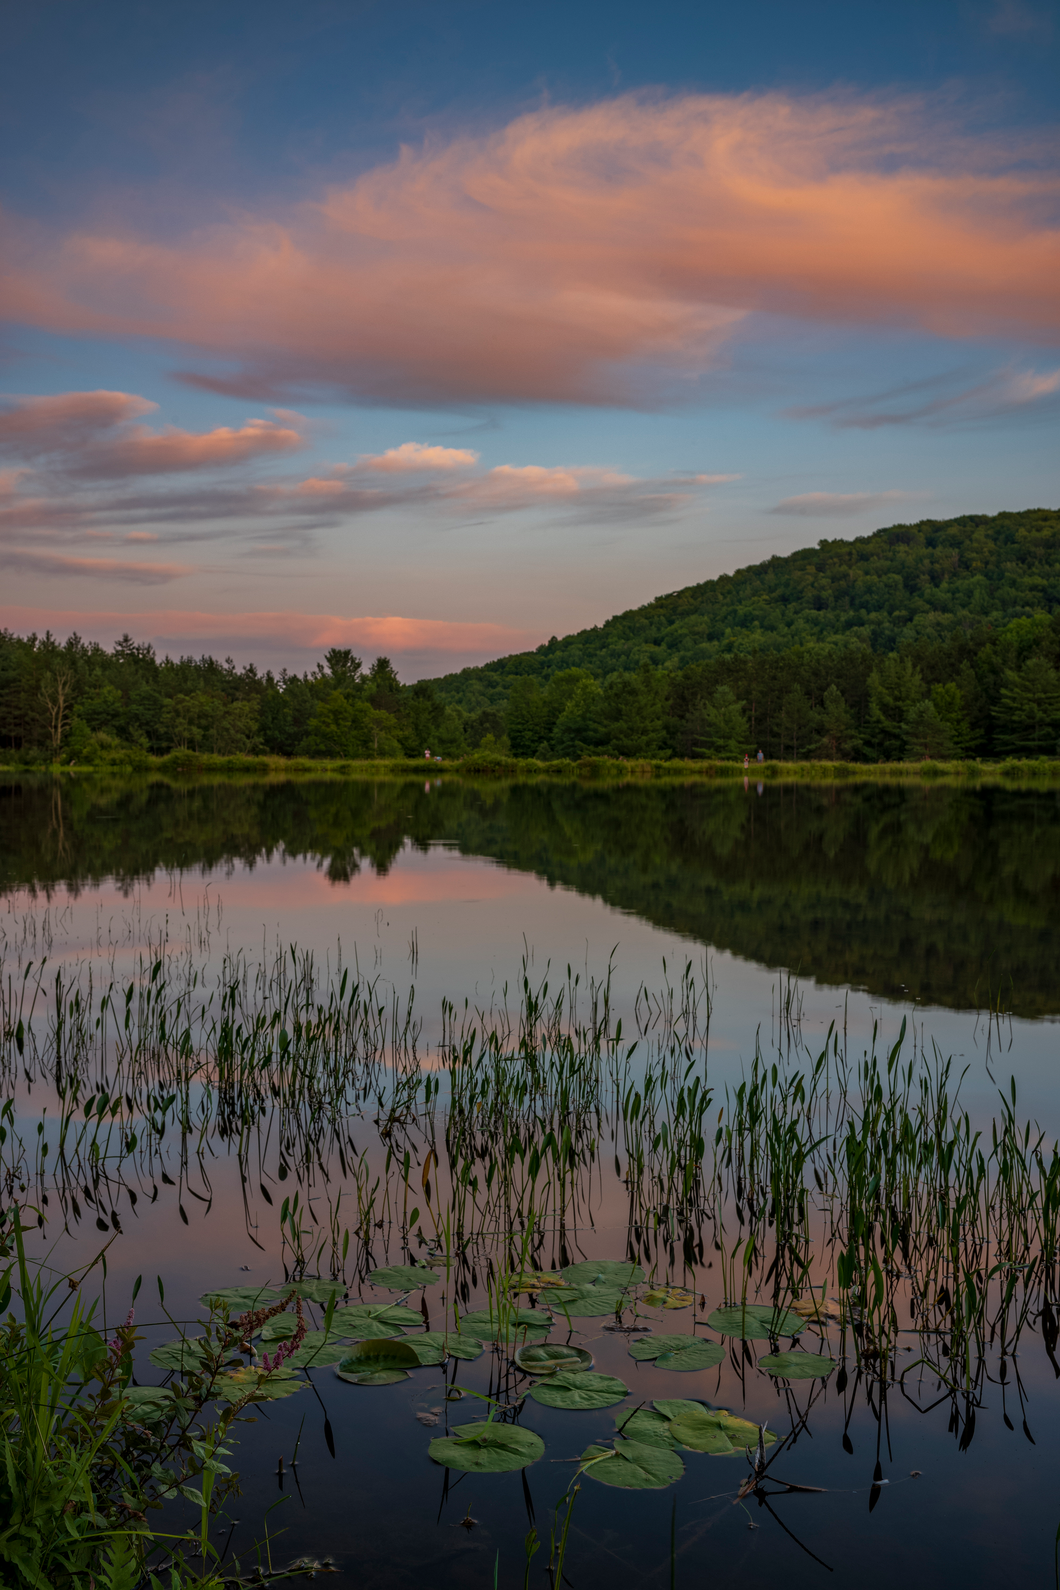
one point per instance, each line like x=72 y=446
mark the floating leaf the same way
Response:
x=633 y=1465
x=669 y=1297
x=797 y=1366
x=280 y=1328
x=484 y=1324
x=550 y=1357
x=612 y=1272
x=186 y=1355
x=645 y=1425
x=375 y=1377
x=318 y=1349
x=403 y=1277
x=147 y=1404
x=815 y=1308
x=235 y=1384
x=678 y=1352
x=377 y=1357
x=532 y=1281
x=242 y=1299
x=433 y=1347
x=587 y=1302
x=579 y=1388
x=316 y=1291
x=487 y=1448
x=362 y=1321
x=715 y=1430
x=675 y=1407
x=754 y=1321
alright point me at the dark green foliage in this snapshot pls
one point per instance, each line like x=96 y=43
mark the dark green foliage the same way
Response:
x=928 y=640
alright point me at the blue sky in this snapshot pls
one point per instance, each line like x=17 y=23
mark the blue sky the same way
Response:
x=440 y=329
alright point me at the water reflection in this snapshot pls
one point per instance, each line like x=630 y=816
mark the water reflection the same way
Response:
x=939 y=894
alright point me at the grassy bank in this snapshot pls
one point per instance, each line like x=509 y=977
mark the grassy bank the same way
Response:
x=193 y=764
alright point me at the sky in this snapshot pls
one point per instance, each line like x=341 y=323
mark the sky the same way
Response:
x=436 y=330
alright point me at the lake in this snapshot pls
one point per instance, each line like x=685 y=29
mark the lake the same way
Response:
x=513 y=1027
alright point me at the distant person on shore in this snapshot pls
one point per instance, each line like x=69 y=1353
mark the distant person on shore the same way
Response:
x=746 y=760
x=759 y=757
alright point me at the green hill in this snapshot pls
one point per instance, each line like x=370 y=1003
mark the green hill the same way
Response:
x=918 y=584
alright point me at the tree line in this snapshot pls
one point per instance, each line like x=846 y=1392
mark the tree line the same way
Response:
x=981 y=692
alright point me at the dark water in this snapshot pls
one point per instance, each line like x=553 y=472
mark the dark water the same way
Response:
x=937 y=905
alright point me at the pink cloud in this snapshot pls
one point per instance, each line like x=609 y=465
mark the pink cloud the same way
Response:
x=586 y=255
x=90 y=434
x=309 y=631
x=415 y=456
x=28 y=561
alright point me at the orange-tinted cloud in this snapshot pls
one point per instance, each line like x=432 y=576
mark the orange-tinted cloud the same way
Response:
x=312 y=631
x=27 y=561
x=583 y=255
x=91 y=435
x=415 y=456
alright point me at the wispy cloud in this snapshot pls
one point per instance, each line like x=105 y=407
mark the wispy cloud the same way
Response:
x=941 y=401
x=27 y=561
x=91 y=435
x=600 y=255
x=836 y=504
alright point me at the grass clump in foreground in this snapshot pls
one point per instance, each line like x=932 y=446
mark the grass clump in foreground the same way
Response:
x=86 y=1456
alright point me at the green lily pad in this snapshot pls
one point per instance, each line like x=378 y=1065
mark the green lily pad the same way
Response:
x=579 y=1388
x=147 y=1404
x=241 y=1299
x=350 y=1319
x=434 y=1347
x=716 y=1431
x=616 y=1273
x=486 y=1325
x=403 y=1277
x=280 y=1328
x=678 y=1352
x=234 y=1385
x=377 y=1357
x=633 y=1465
x=676 y=1407
x=318 y=1349
x=186 y=1355
x=487 y=1448
x=587 y=1302
x=536 y=1281
x=374 y=1377
x=669 y=1297
x=645 y=1425
x=755 y=1321
x=797 y=1366
x=547 y=1358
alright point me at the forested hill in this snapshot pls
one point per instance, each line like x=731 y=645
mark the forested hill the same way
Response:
x=925 y=582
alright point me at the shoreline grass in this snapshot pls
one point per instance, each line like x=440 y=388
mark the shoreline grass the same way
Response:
x=180 y=765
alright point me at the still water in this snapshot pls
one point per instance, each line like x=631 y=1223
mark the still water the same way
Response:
x=797 y=911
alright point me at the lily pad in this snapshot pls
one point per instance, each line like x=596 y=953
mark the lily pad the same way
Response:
x=534 y=1281
x=280 y=1328
x=487 y=1448
x=362 y=1321
x=147 y=1404
x=434 y=1347
x=580 y=1389
x=645 y=1425
x=235 y=1384
x=612 y=1272
x=375 y=1377
x=316 y=1291
x=486 y=1325
x=548 y=1358
x=377 y=1357
x=669 y=1297
x=633 y=1465
x=675 y=1407
x=754 y=1321
x=186 y=1355
x=318 y=1349
x=797 y=1366
x=587 y=1302
x=242 y=1299
x=403 y=1277
x=678 y=1352
x=716 y=1431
